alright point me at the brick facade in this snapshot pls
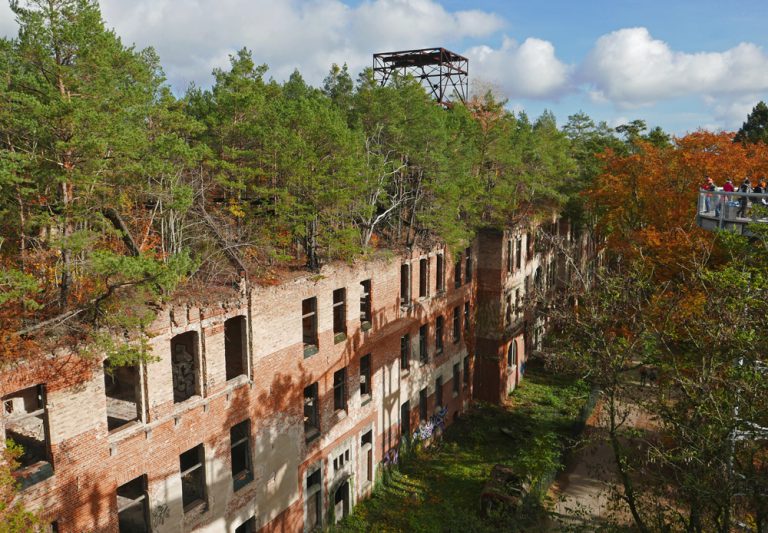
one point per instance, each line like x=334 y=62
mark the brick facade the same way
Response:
x=279 y=491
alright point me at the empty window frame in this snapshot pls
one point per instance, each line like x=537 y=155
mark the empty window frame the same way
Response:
x=466 y=372
x=512 y=354
x=339 y=315
x=423 y=408
x=311 y=411
x=456 y=324
x=365 y=377
x=468 y=265
x=132 y=508
x=457 y=272
x=26 y=423
x=314 y=500
x=192 y=468
x=456 y=378
x=509 y=309
x=439 y=327
x=309 y=325
x=518 y=253
x=366 y=448
x=185 y=365
x=365 y=302
x=440 y=273
x=340 y=389
x=235 y=342
x=439 y=391
x=405 y=352
x=517 y=302
x=240 y=448
x=423 y=277
x=510 y=257
x=466 y=317
x=123 y=392
x=423 y=356
x=405 y=284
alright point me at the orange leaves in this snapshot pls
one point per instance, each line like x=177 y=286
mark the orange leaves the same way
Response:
x=646 y=200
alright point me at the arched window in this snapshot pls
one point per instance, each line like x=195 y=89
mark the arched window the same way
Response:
x=512 y=354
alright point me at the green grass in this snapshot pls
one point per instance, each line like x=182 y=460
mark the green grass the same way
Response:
x=438 y=490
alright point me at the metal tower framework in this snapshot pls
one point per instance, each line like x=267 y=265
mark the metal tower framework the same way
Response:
x=441 y=72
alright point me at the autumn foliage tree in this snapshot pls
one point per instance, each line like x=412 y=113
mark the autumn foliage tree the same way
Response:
x=691 y=306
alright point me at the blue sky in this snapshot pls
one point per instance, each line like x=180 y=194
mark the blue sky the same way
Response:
x=680 y=65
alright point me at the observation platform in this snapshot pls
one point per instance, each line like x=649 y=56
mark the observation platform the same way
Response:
x=732 y=211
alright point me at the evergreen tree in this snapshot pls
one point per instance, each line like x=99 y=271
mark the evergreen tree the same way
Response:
x=755 y=128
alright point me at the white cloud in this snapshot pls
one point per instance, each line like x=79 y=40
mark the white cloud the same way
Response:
x=630 y=68
x=528 y=70
x=194 y=36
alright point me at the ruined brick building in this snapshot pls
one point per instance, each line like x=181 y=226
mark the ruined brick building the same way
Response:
x=274 y=410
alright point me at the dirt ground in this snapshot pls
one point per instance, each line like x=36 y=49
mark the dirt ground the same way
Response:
x=583 y=495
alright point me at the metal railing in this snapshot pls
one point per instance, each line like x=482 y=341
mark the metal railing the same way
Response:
x=731 y=210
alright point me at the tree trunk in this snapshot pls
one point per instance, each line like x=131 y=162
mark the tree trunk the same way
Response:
x=629 y=491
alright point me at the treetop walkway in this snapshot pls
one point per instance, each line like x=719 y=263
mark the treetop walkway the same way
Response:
x=733 y=211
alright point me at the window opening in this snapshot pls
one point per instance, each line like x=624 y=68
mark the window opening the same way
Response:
x=423 y=278
x=191 y=465
x=186 y=372
x=122 y=388
x=25 y=419
x=365 y=377
x=132 y=508
x=456 y=378
x=235 y=343
x=405 y=352
x=311 y=418
x=240 y=447
x=339 y=314
x=340 y=389
x=456 y=324
x=309 y=325
x=405 y=285
x=365 y=302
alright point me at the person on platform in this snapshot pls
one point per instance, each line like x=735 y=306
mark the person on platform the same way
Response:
x=746 y=187
x=708 y=185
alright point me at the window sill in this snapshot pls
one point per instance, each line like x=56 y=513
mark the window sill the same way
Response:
x=440 y=293
x=241 y=480
x=196 y=507
x=339 y=337
x=340 y=414
x=365 y=400
x=405 y=372
x=128 y=425
x=33 y=474
x=311 y=435
x=365 y=326
x=310 y=350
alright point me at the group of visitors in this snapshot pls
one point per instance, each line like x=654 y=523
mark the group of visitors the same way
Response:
x=742 y=201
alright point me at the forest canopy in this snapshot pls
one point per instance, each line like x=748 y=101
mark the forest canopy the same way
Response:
x=117 y=191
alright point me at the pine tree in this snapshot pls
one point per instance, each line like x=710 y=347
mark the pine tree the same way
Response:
x=755 y=128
